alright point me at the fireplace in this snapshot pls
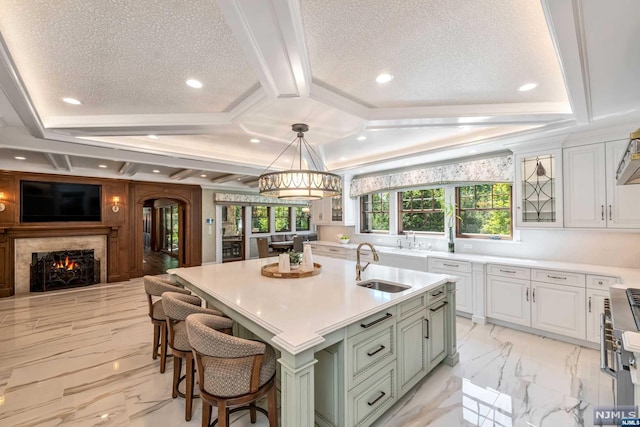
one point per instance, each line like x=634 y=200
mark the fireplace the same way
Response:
x=63 y=269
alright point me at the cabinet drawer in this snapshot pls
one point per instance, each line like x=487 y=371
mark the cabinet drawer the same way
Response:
x=437 y=294
x=383 y=317
x=372 y=397
x=414 y=305
x=446 y=264
x=368 y=351
x=600 y=282
x=558 y=277
x=508 y=271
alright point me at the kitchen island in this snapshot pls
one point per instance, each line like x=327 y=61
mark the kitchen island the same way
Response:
x=347 y=352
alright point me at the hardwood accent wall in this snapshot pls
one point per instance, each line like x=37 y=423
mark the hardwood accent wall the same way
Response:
x=125 y=248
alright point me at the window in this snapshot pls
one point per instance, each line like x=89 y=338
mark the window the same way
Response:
x=484 y=209
x=421 y=210
x=302 y=219
x=260 y=219
x=283 y=218
x=374 y=209
x=169 y=229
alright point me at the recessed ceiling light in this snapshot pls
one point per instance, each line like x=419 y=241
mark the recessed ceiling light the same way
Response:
x=102 y=166
x=72 y=101
x=361 y=171
x=239 y=179
x=254 y=140
x=384 y=78
x=473 y=151
x=152 y=136
x=203 y=176
x=197 y=84
x=343 y=158
x=361 y=138
x=527 y=86
x=20 y=158
x=156 y=171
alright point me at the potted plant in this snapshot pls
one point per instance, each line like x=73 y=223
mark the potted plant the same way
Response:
x=449 y=216
x=294 y=259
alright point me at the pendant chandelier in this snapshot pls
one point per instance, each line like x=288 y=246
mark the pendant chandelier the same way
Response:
x=311 y=182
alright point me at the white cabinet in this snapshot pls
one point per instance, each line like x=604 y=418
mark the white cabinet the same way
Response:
x=593 y=200
x=339 y=210
x=595 y=306
x=464 y=289
x=331 y=251
x=403 y=261
x=558 y=309
x=538 y=189
x=436 y=332
x=509 y=299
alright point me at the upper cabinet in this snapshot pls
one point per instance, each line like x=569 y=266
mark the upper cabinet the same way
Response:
x=339 y=210
x=538 y=189
x=593 y=200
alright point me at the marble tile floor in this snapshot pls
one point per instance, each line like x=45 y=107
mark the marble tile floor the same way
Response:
x=82 y=358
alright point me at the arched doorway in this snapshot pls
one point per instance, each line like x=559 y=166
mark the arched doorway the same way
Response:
x=162 y=230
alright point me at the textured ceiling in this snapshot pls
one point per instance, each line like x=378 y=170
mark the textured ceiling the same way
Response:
x=440 y=52
x=125 y=57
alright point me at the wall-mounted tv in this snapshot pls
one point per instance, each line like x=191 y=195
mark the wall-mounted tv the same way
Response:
x=59 y=202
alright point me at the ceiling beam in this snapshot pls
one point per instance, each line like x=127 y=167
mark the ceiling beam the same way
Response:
x=129 y=168
x=271 y=35
x=226 y=178
x=183 y=174
x=60 y=162
x=566 y=27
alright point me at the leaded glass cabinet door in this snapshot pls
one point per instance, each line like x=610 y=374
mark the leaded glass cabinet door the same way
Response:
x=539 y=190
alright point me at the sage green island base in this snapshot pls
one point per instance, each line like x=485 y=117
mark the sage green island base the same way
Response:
x=347 y=353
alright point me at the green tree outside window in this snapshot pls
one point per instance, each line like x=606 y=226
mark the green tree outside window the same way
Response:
x=283 y=218
x=374 y=209
x=260 y=219
x=421 y=210
x=484 y=209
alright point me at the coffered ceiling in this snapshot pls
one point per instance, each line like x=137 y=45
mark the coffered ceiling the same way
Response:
x=456 y=68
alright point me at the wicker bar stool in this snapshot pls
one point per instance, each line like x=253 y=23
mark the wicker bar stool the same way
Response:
x=155 y=287
x=176 y=308
x=232 y=372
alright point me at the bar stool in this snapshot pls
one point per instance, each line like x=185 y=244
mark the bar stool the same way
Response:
x=232 y=372
x=155 y=287
x=176 y=308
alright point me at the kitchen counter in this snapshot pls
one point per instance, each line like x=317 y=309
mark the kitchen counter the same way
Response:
x=328 y=324
x=628 y=275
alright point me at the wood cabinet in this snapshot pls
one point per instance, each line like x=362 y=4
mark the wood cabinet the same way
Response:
x=593 y=200
x=538 y=197
x=464 y=288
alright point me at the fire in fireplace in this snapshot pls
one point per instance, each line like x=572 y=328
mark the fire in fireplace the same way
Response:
x=63 y=269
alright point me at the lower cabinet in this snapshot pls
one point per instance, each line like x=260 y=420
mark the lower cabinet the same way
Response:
x=369 y=399
x=464 y=288
x=558 y=309
x=595 y=306
x=509 y=300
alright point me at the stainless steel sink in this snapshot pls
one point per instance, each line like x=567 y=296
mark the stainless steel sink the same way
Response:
x=383 y=285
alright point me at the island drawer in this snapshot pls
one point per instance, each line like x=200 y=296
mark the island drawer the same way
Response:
x=437 y=294
x=509 y=271
x=369 y=350
x=371 y=398
x=414 y=305
x=382 y=317
x=600 y=282
x=449 y=265
x=558 y=277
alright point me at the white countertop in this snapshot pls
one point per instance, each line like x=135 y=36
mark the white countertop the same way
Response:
x=628 y=275
x=299 y=312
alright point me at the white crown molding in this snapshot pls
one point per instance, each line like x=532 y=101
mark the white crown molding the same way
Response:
x=565 y=23
x=270 y=34
x=471 y=111
x=333 y=99
x=248 y=104
x=133 y=121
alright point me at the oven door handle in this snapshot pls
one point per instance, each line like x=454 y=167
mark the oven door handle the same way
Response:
x=604 y=353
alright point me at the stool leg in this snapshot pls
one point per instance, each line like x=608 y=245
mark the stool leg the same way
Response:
x=189 y=391
x=272 y=407
x=156 y=341
x=206 y=413
x=252 y=412
x=223 y=415
x=163 y=347
x=177 y=368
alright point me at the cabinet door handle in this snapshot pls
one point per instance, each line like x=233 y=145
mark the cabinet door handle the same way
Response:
x=527 y=295
x=370 y=324
x=427 y=336
x=602 y=212
x=556 y=277
x=438 y=308
x=371 y=353
x=589 y=304
x=450 y=265
x=534 y=294
x=508 y=271
x=373 y=402
x=610 y=214
x=600 y=282
x=437 y=293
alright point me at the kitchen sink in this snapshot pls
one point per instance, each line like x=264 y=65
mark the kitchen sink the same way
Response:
x=383 y=285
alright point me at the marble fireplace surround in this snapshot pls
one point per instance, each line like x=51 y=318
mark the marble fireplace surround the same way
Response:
x=24 y=247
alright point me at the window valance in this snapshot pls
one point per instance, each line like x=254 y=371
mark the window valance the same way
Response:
x=253 y=199
x=494 y=169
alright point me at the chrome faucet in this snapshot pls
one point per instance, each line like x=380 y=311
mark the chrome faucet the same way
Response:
x=360 y=268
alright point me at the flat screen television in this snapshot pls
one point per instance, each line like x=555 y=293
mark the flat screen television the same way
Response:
x=59 y=202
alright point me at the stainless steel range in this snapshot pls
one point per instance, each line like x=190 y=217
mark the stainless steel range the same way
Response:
x=621 y=313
